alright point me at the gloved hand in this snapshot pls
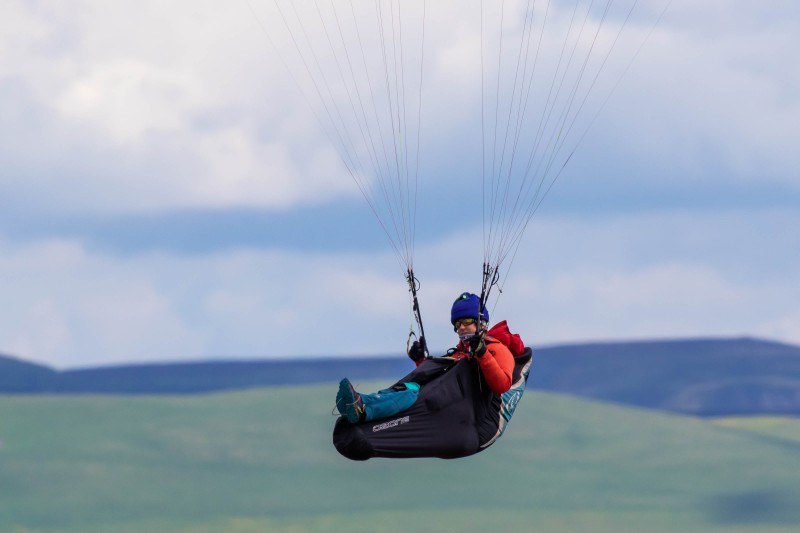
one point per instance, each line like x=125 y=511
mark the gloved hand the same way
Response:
x=477 y=346
x=417 y=350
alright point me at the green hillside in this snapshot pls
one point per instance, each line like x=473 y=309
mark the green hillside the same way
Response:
x=779 y=427
x=262 y=460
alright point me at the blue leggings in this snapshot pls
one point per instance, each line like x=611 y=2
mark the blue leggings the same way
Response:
x=388 y=402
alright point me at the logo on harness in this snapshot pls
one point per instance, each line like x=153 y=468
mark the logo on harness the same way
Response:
x=512 y=400
x=390 y=424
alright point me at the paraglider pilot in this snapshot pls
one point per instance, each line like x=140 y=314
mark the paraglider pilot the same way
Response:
x=470 y=321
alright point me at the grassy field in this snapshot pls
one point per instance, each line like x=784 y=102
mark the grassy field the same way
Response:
x=779 y=427
x=262 y=460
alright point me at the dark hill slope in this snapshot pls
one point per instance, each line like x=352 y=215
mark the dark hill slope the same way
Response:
x=705 y=377
x=20 y=376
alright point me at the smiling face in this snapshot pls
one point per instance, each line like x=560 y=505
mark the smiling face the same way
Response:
x=466 y=326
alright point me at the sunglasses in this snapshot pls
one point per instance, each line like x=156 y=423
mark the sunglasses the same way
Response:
x=463 y=322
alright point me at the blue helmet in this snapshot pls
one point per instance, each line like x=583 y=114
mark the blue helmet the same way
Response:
x=466 y=306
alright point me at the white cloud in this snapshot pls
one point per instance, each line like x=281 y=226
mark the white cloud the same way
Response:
x=142 y=106
x=572 y=281
x=63 y=304
x=711 y=97
x=659 y=275
x=138 y=106
x=786 y=327
x=129 y=99
x=145 y=106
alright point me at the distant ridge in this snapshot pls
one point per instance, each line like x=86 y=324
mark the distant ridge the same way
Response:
x=18 y=376
x=703 y=377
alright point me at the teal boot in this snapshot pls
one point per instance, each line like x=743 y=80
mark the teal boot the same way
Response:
x=349 y=403
x=382 y=404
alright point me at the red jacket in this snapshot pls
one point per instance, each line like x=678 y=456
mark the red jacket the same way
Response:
x=497 y=364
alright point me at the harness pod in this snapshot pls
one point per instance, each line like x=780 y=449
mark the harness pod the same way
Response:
x=455 y=415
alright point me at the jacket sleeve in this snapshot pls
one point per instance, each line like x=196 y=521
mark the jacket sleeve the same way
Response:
x=497 y=366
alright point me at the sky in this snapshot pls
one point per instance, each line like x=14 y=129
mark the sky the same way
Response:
x=168 y=191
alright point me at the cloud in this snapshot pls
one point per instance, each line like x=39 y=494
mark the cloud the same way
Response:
x=710 y=97
x=67 y=305
x=659 y=274
x=652 y=274
x=573 y=280
x=63 y=304
x=141 y=113
x=144 y=107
